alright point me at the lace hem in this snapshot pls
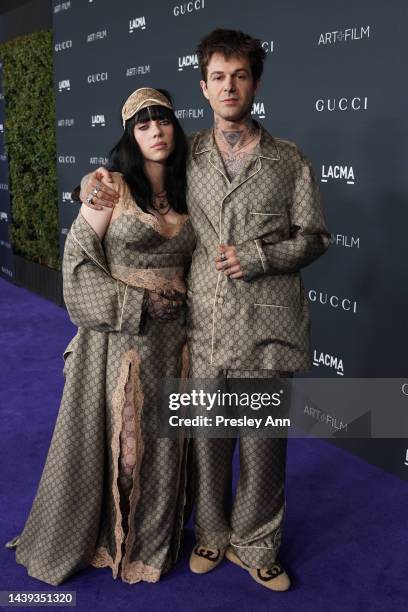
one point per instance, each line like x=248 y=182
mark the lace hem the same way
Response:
x=129 y=367
x=102 y=558
x=139 y=449
x=138 y=571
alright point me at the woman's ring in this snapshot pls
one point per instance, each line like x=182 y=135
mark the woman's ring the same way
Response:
x=223 y=257
x=89 y=199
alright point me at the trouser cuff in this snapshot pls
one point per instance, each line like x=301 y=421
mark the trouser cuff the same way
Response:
x=261 y=553
x=217 y=539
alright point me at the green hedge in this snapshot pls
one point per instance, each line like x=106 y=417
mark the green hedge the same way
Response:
x=31 y=146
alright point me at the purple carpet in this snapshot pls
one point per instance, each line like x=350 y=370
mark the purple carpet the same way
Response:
x=346 y=528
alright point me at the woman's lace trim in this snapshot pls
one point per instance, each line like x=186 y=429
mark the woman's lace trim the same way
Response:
x=134 y=572
x=137 y=571
x=128 y=206
x=129 y=368
x=153 y=279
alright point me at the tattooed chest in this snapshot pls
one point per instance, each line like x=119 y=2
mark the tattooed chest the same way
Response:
x=234 y=162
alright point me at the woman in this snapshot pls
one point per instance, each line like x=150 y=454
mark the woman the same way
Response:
x=112 y=493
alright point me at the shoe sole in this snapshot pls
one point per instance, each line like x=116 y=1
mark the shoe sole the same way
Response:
x=210 y=569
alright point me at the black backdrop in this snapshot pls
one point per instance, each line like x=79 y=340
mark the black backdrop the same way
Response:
x=334 y=83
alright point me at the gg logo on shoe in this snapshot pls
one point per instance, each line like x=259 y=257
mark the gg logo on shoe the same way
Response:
x=272 y=572
x=211 y=555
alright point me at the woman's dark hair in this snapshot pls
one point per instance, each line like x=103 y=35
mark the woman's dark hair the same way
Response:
x=126 y=157
x=231 y=43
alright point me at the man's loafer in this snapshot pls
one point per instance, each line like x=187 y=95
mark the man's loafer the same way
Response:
x=203 y=559
x=274 y=577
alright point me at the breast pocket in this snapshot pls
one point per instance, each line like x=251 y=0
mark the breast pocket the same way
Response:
x=261 y=222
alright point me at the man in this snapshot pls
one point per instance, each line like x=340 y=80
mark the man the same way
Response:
x=254 y=204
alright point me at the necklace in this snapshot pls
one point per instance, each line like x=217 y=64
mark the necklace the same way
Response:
x=161 y=204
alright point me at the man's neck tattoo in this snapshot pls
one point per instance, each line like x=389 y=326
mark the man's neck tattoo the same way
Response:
x=236 y=137
x=230 y=143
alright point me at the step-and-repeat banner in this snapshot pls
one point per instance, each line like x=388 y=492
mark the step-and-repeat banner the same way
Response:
x=333 y=82
x=6 y=253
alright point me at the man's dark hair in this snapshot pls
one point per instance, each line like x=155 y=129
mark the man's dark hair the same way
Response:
x=231 y=43
x=126 y=157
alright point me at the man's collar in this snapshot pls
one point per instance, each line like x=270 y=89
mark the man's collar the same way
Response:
x=205 y=142
x=267 y=146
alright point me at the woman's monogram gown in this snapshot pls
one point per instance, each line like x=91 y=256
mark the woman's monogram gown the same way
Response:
x=112 y=493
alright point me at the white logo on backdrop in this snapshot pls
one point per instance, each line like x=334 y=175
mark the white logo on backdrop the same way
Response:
x=138 y=23
x=97 y=77
x=66 y=196
x=346 y=35
x=98 y=161
x=137 y=70
x=66 y=159
x=336 y=172
x=98 y=120
x=64 y=6
x=189 y=113
x=65 y=122
x=96 y=36
x=3 y=216
x=65 y=84
x=1 y=128
x=349 y=242
x=324 y=417
x=188 y=61
x=333 y=301
x=188 y=7
x=342 y=104
x=258 y=110
x=4 y=186
x=7 y=271
x=330 y=361
x=63 y=46
x=268 y=46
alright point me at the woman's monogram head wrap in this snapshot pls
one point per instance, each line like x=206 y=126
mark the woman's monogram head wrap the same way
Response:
x=142 y=98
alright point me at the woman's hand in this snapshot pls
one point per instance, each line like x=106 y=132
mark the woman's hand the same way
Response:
x=98 y=190
x=94 y=209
